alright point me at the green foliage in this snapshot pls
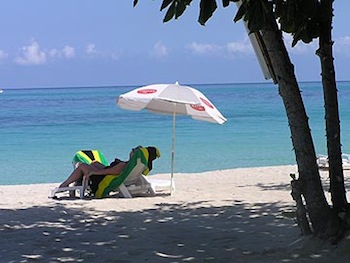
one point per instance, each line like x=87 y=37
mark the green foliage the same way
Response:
x=225 y=3
x=175 y=8
x=256 y=13
x=300 y=18
x=207 y=9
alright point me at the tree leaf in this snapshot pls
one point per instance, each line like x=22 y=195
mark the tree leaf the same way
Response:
x=279 y=8
x=240 y=13
x=165 y=4
x=180 y=8
x=309 y=8
x=255 y=16
x=225 y=3
x=287 y=26
x=170 y=13
x=207 y=8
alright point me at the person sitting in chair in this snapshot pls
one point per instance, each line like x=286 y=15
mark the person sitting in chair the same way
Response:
x=96 y=168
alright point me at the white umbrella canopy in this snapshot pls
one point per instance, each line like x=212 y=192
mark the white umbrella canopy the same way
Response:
x=171 y=99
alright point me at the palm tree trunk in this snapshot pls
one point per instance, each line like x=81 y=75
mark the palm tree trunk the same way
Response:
x=325 y=53
x=319 y=212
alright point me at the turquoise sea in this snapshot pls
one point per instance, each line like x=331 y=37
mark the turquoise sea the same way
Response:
x=41 y=129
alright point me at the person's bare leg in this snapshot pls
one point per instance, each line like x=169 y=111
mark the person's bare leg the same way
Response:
x=75 y=175
x=82 y=170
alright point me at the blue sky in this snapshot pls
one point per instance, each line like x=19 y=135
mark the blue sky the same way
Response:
x=69 y=43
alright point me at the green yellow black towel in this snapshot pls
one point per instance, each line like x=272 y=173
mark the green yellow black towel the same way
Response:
x=142 y=157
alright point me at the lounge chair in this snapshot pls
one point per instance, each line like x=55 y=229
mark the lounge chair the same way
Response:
x=322 y=161
x=129 y=183
x=83 y=156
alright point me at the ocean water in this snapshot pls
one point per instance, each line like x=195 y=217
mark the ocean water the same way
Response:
x=41 y=129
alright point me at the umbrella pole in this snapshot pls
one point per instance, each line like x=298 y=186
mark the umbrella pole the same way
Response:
x=173 y=151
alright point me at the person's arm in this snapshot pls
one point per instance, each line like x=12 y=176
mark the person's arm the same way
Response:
x=114 y=170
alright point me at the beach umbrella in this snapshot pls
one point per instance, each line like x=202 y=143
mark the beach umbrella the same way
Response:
x=171 y=99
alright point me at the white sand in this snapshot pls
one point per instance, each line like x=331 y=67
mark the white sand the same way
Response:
x=239 y=215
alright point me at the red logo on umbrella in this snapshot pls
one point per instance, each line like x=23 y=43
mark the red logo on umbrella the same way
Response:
x=147 y=91
x=207 y=103
x=200 y=107
x=197 y=107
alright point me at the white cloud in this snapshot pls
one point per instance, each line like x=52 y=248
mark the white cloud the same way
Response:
x=159 y=50
x=342 y=46
x=201 y=49
x=34 y=55
x=68 y=52
x=243 y=47
x=31 y=55
x=116 y=55
x=94 y=53
x=91 y=49
x=229 y=50
x=3 y=55
x=343 y=41
x=54 y=52
x=300 y=47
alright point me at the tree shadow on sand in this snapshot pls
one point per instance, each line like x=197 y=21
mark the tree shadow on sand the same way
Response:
x=171 y=232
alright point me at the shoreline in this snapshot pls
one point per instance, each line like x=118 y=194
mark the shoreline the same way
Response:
x=162 y=174
x=235 y=215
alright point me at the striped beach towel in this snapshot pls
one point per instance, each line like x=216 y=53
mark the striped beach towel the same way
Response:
x=140 y=163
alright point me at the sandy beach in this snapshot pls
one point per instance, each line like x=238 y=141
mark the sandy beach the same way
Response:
x=238 y=215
